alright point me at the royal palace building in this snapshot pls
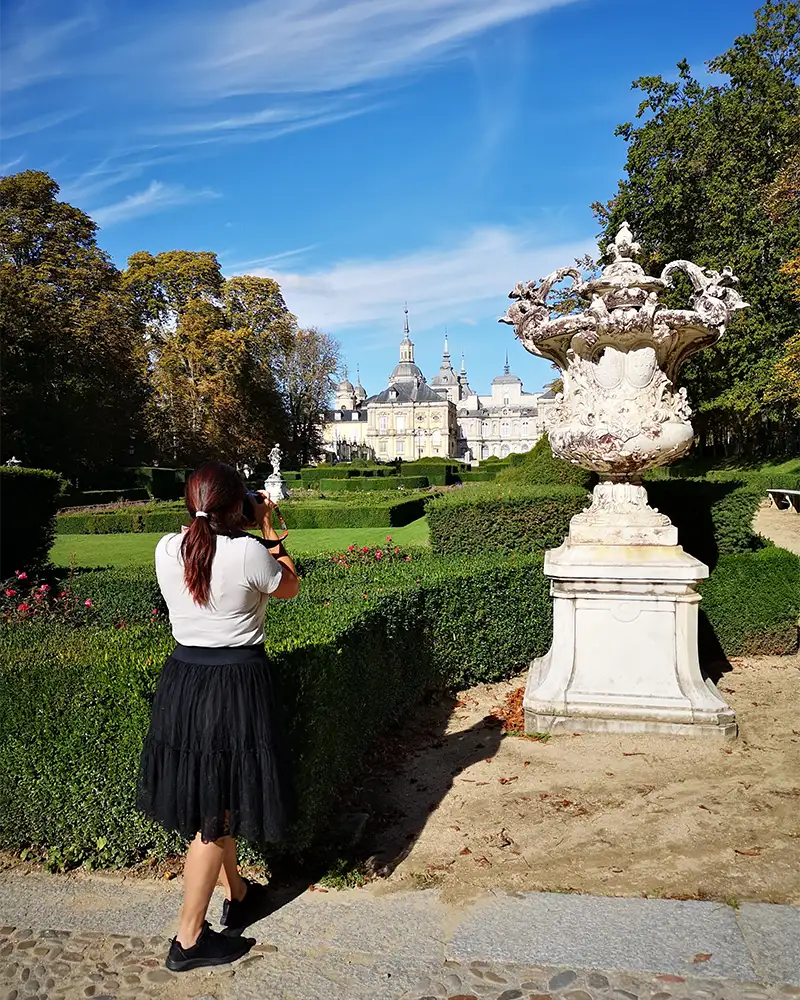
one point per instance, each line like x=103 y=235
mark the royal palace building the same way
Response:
x=412 y=418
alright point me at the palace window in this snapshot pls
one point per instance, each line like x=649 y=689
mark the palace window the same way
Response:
x=400 y=423
x=401 y=446
x=505 y=400
x=382 y=423
x=504 y=429
x=436 y=438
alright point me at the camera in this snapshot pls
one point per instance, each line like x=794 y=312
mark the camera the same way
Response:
x=248 y=506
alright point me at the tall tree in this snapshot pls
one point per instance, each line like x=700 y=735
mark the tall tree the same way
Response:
x=304 y=372
x=700 y=167
x=72 y=361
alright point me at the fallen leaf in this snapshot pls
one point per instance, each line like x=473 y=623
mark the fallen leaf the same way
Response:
x=507 y=781
x=465 y=851
x=526 y=763
x=701 y=806
x=753 y=852
x=484 y=862
x=701 y=956
x=634 y=754
x=671 y=979
x=168 y=875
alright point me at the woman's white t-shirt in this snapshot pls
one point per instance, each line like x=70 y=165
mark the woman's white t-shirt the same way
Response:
x=243 y=573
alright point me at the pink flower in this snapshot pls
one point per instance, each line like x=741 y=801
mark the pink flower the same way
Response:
x=88 y=602
x=38 y=596
x=378 y=554
x=351 y=548
x=365 y=549
x=63 y=593
x=10 y=592
x=396 y=549
x=24 y=607
x=22 y=576
x=408 y=558
x=155 y=611
x=388 y=538
x=44 y=588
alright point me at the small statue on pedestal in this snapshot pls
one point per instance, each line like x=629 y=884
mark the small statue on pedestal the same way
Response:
x=275 y=486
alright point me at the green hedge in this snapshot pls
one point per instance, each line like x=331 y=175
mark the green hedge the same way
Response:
x=312 y=476
x=29 y=499
x=712 y=518
x=347 y=669
x=97 y=498
x=539 y=466
x=752 y=601
x=333 y=514
x=355 y=485
x=488 y=518
x=478 y=477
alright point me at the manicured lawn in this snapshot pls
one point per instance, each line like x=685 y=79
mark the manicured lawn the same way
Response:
x=137 y=549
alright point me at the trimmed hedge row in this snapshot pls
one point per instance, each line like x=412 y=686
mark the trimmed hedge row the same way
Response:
x=489 y=518
x=379 y=483
x=347 y=669
x=539 y=466
x=91 y=498
x=752 y=600
x=342 y=471
x=332 y=514
x=29 y=499
x=385 y=511
x=478 y=477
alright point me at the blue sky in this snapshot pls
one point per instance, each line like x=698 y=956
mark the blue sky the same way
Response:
x=363 y=152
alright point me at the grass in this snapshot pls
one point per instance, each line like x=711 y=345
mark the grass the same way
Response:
x=137 y=549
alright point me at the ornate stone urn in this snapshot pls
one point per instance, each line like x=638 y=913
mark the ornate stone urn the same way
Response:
x=624 y=652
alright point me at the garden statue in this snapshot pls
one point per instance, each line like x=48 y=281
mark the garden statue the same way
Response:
x=624 y=654
x=275 y=486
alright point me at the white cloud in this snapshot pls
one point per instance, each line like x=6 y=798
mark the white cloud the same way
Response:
x=156 y=198
x=321 y=46
x=40 y=48
x=39 y=124
x=273 y=46
x=464 y=282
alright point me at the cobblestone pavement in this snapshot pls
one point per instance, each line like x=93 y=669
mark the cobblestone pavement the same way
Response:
x=487 y=981
x=59 y=965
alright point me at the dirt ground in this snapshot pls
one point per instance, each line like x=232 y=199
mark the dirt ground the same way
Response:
x=469 y=807
x=782 y=526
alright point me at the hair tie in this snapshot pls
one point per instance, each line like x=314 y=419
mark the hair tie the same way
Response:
x=200 y=513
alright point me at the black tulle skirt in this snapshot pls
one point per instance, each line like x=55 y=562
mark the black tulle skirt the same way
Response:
x=214 y=759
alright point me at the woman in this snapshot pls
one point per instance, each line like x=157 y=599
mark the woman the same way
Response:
x=212 y=765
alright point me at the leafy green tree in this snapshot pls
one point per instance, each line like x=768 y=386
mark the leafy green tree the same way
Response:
x=73 y=369
x=163 y=286
x=701 y=168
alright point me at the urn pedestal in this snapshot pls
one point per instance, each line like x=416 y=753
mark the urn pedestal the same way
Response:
x=624 y=653
x=275 y=488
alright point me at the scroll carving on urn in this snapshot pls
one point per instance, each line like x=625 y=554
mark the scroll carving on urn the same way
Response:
x=620 y=413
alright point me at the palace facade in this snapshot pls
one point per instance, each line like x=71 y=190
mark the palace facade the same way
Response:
x=412 y=419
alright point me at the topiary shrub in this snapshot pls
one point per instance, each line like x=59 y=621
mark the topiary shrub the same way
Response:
x=752 y=601
x=29 y=499
x=488 y=518
x=538 y=467
x=712 y=518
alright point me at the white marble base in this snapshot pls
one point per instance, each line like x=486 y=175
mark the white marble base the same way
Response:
x=624 y=654
x=275 y=488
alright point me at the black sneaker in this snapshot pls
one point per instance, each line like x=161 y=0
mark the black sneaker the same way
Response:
x=243 y=912
x=211 y=948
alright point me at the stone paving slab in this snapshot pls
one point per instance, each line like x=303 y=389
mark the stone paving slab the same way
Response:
x=645 y=935
x=772 y=934
x=371 y=944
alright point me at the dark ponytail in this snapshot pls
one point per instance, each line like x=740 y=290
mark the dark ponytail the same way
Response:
x=217 y=492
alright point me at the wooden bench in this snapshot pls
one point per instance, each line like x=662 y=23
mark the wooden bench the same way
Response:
x=784 y=499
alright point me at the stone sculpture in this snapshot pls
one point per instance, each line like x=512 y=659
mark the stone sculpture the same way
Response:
x=624 y=652
x=275 y=485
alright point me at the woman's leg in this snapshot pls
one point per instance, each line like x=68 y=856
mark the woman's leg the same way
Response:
x=200 y=874
x=235 y=886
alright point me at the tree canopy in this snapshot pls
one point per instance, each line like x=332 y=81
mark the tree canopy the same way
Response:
x=712 y=176
x=168 y=361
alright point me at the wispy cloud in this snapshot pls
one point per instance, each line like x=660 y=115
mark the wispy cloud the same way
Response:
x=39 y=51
x=465 y=281
x=38 y=124
x=321 y=46
x=155 y=198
